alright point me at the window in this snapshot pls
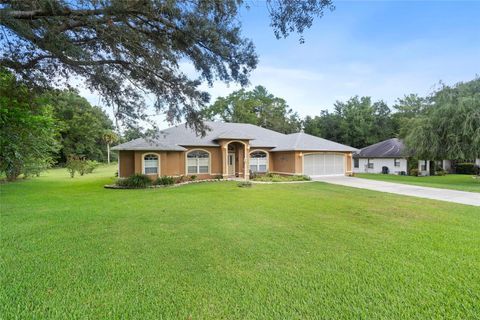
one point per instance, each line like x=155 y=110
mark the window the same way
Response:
x=423 y=166
x=369 y=164
x=356 y=163
x=150 y=164
x=258 y=161
x=396 y=162
x=198 y=162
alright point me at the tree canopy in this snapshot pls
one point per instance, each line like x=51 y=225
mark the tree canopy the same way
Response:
x=127 y=49
x=448 y=124
x=27 y=129
x=81 y=126
x=357 y=122
x=258 y=107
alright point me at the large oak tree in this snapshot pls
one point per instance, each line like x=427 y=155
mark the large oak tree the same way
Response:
x=126 y=50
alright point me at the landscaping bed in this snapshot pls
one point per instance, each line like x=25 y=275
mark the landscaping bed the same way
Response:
x=270 y=177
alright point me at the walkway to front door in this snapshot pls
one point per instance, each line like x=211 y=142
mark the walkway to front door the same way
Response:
x=462 y=197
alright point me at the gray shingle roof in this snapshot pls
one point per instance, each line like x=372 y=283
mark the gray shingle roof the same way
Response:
x=148 y=144
x=305 y=142
x=177 y=137
x=391 y=148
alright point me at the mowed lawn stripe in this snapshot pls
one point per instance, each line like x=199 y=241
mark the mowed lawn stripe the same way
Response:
x=71 y=249
x=462 y=182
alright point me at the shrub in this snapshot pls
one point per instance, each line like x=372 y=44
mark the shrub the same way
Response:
x=82 y=167
x=193 y=177
x=218 y=177
x=414 y=172
x=165 y=181
x=136 y=181
x=180 y=179
x=91 y=165
x=244 y=184
x=465 y=168
x=440 y=172
x=278 y=178
x=73 y=165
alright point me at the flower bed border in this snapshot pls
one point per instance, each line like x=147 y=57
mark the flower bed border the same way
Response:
x=114 y=186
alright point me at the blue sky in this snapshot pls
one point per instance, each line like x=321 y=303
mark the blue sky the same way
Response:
x=383 y=49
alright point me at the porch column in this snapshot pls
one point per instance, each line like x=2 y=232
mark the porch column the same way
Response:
x=224 y=148
x=246 y=162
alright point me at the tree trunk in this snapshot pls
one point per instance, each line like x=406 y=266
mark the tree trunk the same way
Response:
x=108 y=153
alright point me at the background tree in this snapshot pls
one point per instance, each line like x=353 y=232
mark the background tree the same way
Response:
x=448 y=128
x=406 y=109
x=132 y=133
x=109 y=137
x=258 y=107
x=27 y=129
x=126 y=49
x=81 y=125
x=357 y=122
x=327 y=126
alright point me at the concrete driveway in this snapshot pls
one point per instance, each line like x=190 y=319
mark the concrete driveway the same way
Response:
x=463 y=197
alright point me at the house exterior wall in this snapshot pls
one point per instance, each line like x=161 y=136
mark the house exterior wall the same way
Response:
x=378 y=163
x=126 y=164
x=284 y=162
x=173 y=163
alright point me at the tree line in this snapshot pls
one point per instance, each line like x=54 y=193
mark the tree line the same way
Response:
x=42 y=128
x=442 y=125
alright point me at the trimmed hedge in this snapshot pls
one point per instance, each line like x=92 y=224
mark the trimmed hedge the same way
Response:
x=465 y=168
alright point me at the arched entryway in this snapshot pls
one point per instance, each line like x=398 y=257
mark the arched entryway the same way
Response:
x=236 y=159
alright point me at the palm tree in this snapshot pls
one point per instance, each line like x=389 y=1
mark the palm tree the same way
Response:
x=109 y=137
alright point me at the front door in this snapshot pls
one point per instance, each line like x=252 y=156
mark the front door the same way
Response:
x=231 y=164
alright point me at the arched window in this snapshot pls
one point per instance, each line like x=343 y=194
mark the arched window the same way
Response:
x=258 y=161
x=150 y=164
x=198 y=161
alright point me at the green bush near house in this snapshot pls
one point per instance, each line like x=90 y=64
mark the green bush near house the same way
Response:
x=271 y=177
x=414 y=172
x=244 y=184
x=465 y=168
x=165 y=181
x=136 y=181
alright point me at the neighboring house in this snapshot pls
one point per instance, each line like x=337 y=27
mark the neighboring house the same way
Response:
x=232 y=150
x=388 y=153
x=391 y=154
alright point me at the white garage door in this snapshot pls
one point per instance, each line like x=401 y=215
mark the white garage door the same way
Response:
x=323 y=164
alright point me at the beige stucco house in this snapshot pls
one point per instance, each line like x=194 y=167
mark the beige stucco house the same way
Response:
x=232 y=150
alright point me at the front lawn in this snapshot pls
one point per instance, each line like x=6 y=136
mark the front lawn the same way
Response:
x=72 y=249
x=461 y=182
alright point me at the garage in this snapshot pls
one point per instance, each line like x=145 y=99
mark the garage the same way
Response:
x=323 y=164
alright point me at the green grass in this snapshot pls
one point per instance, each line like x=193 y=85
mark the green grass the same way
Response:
x=72 y=249
x=461 y=182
